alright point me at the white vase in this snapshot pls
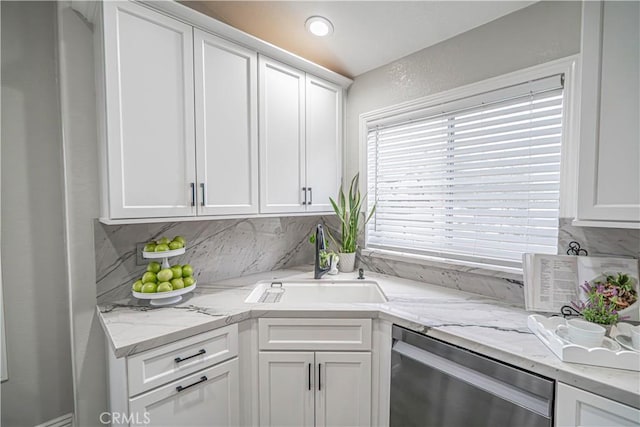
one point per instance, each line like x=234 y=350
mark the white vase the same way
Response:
x=347 y=262
x=334 y=264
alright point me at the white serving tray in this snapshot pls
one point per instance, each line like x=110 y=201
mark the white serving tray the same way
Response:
x=544 y=328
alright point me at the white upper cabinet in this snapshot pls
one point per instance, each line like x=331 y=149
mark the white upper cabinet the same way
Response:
x=300 y=140
x=282 y=133
x=226 y=129
x=609 y=176
x=323 y=142
x=195 y=125
x=149 y=105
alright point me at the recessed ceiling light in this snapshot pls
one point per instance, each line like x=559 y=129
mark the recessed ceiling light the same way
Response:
x=319 y=26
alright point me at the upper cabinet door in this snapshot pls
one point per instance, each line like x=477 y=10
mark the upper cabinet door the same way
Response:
x=282 y=135
x=609 y=134
x=226 y=126
x=323 y=142
x=150 y=112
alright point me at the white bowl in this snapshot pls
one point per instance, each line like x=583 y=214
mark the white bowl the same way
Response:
x=584 y=333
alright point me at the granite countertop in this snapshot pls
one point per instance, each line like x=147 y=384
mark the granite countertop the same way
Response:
x=481 y=324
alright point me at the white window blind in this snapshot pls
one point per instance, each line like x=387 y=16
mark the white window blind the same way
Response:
x=477 y=179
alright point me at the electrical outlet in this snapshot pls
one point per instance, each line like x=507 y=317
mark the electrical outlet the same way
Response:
x=139 y=259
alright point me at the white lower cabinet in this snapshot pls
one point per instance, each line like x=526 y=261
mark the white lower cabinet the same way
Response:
x=206 y=398
x=188 y=383
x=575 y=407
x=315 y=372
x=286 y=388
x=315 y=388
x=343 y=396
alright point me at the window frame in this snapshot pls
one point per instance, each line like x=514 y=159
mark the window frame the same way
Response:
x=569 y=149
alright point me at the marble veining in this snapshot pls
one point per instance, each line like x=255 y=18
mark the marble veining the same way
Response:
x=217 y=249
x=479 y=323
x=599 y=241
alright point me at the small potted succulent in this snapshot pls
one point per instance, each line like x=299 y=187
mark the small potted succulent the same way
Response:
x=327 y=257
x=352 y=219
x=607 y=300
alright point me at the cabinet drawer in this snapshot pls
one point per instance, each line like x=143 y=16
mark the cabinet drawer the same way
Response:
x=206 y=398
x=315 y=334
x=169 y=362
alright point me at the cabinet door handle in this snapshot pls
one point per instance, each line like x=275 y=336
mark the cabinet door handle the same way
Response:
x=319 y=376
x=309 y=376
x=201 y=380
x=304 y=190
x=180 y=359
x=193 y=194
x=310 y=195
x=202 y=203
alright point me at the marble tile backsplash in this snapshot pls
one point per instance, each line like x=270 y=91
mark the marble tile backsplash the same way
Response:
x=217 y=250
x=599 y=241
x=224 y=249
x=507 y=287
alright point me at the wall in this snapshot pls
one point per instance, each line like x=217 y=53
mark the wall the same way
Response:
x=78 y=107
x=216 y=249
x=539 y=33
x=33 y=241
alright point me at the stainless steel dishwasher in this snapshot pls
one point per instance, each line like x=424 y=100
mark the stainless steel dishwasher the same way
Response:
x=438 y=384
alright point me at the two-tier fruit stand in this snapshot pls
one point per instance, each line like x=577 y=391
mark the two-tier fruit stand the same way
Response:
x=164 y=298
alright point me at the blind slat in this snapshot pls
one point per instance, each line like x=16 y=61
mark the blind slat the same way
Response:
x=478 y=212
x=479 y=183
x=443 y=156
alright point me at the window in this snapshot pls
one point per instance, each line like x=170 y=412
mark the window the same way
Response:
x=474 y=179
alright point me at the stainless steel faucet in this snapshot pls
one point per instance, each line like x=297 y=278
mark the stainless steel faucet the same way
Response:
x=318 y=271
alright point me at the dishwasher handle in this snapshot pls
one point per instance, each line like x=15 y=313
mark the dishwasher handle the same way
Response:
x=508 y=392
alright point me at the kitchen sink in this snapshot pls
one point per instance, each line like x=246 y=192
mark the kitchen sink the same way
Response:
x=316 y=291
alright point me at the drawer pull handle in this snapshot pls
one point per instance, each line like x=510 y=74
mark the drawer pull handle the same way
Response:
x=201 y=380
x=179 y=359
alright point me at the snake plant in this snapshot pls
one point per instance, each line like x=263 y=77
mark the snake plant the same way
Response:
x=349 y=211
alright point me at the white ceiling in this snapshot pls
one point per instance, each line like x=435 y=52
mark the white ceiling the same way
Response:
x=368 y=34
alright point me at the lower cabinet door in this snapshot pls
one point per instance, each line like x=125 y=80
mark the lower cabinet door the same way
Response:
x=343 y=389
x=206 y=398
x=575 y=407
x=286 y=388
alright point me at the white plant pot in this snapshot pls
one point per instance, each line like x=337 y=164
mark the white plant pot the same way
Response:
x=347 y=262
